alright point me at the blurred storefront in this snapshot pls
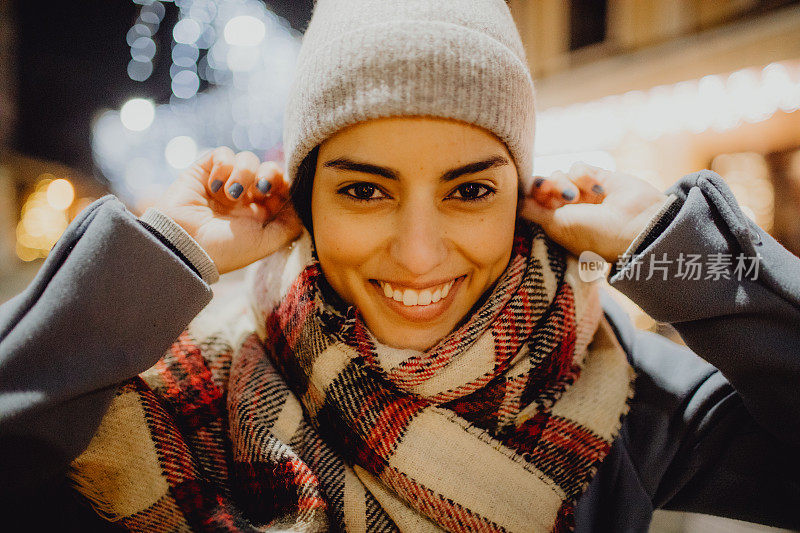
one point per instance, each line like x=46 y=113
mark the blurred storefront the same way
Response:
x=662 y=88
x=38 y=198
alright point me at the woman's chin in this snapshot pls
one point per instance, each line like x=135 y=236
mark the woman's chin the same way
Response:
x=411 y=340
x=416 y=327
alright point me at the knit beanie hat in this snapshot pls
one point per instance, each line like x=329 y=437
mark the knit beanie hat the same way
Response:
x=368 y=59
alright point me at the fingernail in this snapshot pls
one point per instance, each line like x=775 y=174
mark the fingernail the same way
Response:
x=264 y=185
x=236 y=190
x=568 y=195
x=598 y=189
x=215 y=185
x=538 y=182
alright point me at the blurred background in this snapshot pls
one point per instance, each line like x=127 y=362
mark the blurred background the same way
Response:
x=100 y=97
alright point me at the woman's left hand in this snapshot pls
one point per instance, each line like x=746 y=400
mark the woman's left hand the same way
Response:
x=593 y=209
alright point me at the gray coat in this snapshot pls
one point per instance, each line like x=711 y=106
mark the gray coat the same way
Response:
x=713 y=428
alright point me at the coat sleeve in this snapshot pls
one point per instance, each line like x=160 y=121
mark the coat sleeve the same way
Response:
x=717 y=435
x=108 y=301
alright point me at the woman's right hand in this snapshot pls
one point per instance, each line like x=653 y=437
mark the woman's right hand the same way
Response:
x=594 y=209
x=234 y=206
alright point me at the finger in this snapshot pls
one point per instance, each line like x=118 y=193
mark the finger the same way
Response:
x=585 y=177
x=282 y=228
x=200 y=169
x=278 y=195
x=245 y=166
x=544 y=191
x=566 y=192
x=608 y=180
x=267 y=180
x=205 y=161
x=223 y=160
x=534 y=210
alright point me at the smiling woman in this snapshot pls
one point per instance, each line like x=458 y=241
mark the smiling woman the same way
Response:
x=416 y=348
x=415 y=221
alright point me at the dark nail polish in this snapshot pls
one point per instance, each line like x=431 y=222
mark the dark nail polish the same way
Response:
x=568 y=195
x=215 y=185
x=538 y=182
x=236 y=190
x=598 y=189
x=264 y=185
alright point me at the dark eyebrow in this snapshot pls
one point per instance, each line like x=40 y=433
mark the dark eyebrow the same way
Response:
x=471 y=168
x=347 y=164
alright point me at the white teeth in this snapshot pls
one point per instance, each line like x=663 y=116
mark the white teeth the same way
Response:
x=446 y=289
x=411 y=297
x=425 y=297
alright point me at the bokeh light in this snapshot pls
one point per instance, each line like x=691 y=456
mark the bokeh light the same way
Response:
x=44 y=217
x=60 y=194
x=185 y=84
x=143 y=49
x=181 y=152
x=187 y=31
x=137 y=114
x=244 y=30
x=139 y=70
x=714 y=102
x=232 y=62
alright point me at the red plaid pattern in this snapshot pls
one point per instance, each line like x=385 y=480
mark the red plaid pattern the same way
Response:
x=499 y=427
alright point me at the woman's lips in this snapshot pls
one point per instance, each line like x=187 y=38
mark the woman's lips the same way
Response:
x=418 y=305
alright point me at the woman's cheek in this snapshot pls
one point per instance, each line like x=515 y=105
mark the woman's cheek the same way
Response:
x=347 y=241
x=486 y=240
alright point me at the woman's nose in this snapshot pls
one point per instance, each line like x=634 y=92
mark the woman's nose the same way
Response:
x=418 y=244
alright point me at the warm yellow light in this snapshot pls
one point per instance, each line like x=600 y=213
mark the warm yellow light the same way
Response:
x=43 y=217
x=35 y=221
x=25 y=253
x=60 y=194
x=44 y=181
x=748 y=176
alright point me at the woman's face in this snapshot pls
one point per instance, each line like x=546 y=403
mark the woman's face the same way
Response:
x=413 y=222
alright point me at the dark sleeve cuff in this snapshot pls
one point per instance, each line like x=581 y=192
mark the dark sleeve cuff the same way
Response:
x=174 y=237
x=705 y=251
x=651 y=231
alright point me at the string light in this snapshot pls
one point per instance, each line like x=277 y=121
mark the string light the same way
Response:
x=718 y=103
x=232 y=64
x=139 y=38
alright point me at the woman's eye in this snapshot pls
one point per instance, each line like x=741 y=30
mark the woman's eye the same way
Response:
x=362 y=191
x=472 y=191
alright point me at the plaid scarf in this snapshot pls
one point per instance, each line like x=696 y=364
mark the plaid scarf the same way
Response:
x=295 y=417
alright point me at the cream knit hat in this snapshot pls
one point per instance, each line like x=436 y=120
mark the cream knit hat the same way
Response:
x=367 y=59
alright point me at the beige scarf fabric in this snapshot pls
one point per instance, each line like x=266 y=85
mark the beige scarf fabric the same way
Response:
x=294 y=417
